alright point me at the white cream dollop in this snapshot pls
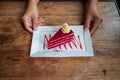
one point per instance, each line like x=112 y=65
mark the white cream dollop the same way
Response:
x=65 y=28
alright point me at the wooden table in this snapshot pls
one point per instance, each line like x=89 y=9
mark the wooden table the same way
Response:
x=16 y=64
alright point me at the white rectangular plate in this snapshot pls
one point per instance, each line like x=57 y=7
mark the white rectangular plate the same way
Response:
x=80 y=46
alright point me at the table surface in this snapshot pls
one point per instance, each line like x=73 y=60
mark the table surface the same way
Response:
x=16 y=64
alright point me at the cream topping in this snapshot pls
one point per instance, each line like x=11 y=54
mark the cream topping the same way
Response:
x=65 y=28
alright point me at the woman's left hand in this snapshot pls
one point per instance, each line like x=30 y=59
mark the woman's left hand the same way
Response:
x=92 y=18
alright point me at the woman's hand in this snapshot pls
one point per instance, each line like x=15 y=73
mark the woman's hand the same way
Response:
x=92 y=17
x=30 y=18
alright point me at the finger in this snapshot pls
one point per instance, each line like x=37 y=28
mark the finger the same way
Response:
x=27 y=23
x=95 y=26
x=87 y=24
x=35 y=23
x=40 y=24
x=30 y=24
x=41 y=20
x=28 y=27
x=30 y=21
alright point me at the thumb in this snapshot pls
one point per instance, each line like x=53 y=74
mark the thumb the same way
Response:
x=87 y=23
x=35 y=23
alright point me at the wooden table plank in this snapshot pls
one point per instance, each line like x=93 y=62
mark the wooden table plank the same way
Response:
x=15 y=63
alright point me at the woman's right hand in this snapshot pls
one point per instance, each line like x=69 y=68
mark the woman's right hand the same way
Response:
x=30 y=17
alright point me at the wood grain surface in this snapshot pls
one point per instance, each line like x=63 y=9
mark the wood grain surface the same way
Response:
x=16 y=64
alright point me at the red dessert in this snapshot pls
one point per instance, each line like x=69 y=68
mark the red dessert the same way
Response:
x=60 y=38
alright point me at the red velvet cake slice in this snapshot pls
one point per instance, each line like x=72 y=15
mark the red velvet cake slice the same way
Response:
x=62 y=36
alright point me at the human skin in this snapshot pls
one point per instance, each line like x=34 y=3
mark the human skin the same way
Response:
x=92 y=17
x=91 y=20
x=30 y=17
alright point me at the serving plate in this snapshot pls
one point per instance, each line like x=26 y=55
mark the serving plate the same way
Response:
x=80 y=46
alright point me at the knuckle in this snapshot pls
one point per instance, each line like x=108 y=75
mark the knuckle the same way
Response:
x=23 y=18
